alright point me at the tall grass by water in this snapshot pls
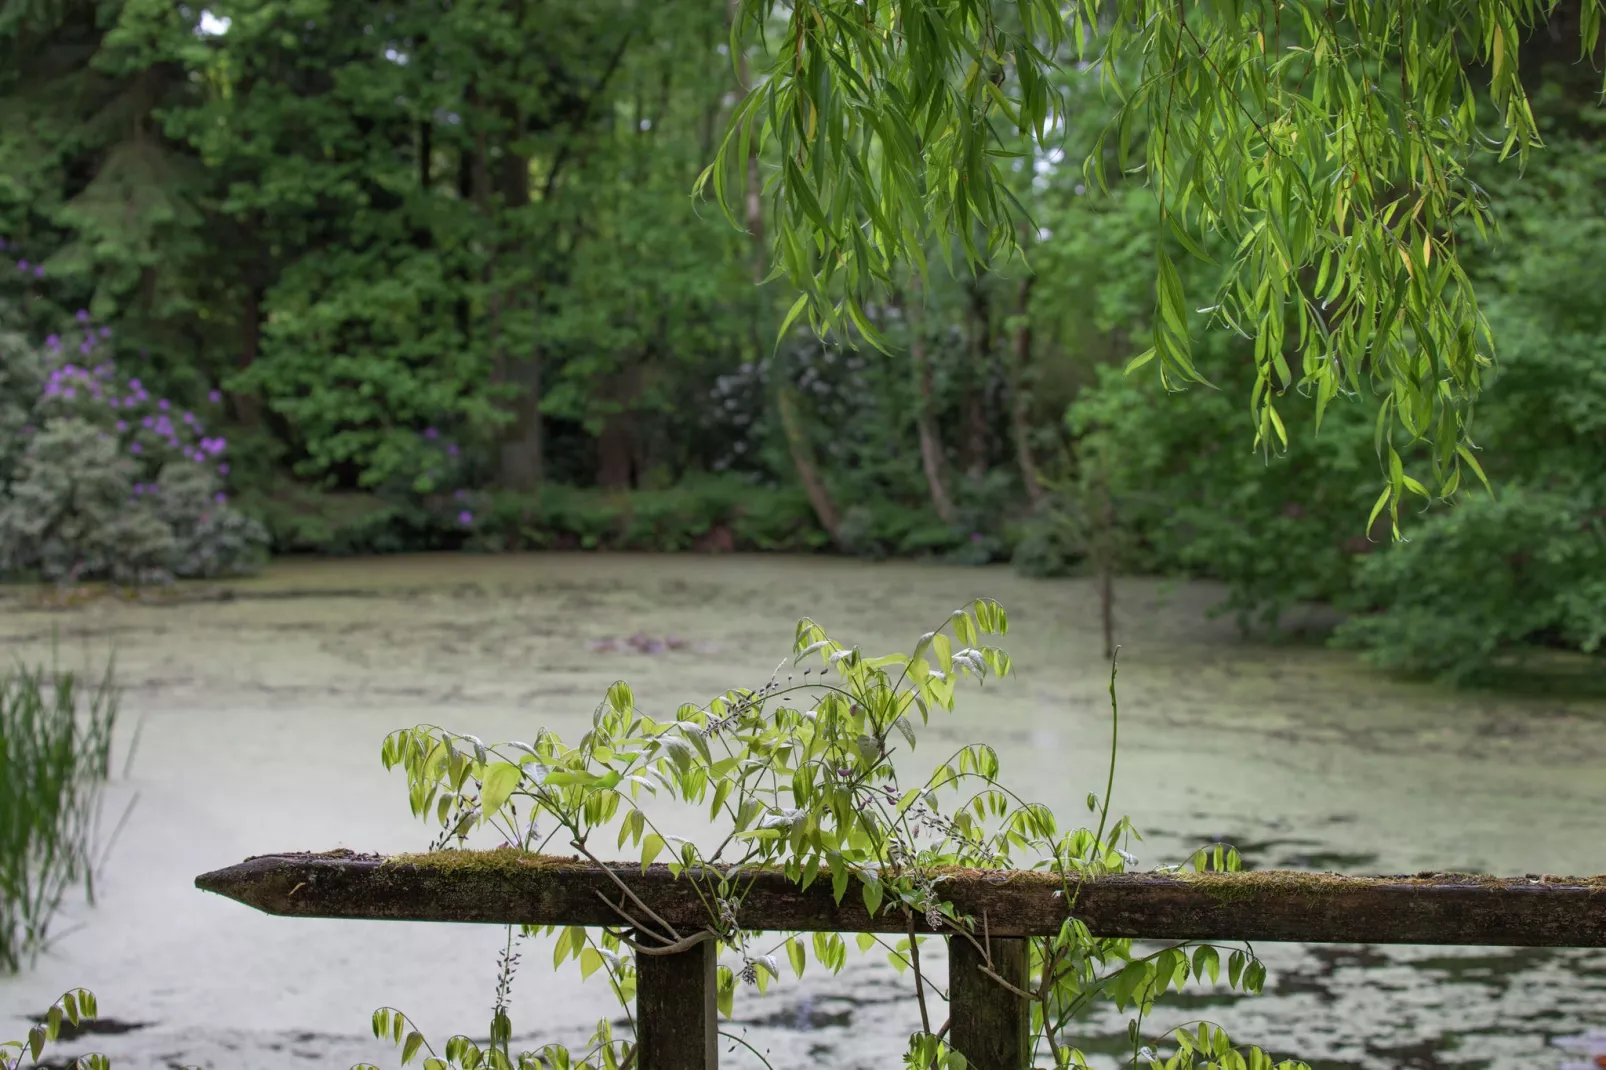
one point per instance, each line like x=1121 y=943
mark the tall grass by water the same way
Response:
x=55 y=752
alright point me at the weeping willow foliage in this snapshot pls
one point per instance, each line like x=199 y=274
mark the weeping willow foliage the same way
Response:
x=1325 y=143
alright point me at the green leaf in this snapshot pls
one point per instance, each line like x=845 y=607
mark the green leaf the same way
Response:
x=621 y=699
x=497 y=785
x=872 y=894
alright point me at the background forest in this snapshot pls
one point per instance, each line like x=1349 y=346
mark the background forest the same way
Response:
x=307 y=276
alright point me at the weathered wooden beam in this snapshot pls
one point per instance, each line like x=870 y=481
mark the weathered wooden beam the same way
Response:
x=989 y=1024
x=677 y=1021
x=506 y=886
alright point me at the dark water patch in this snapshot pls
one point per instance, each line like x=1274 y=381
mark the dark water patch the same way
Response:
x=92 y=1027
x=1290 y=852
x=1197 y=1000
x=1433 y=1054
x=1328 y=861
x=1497 y=970
x=1329 y=959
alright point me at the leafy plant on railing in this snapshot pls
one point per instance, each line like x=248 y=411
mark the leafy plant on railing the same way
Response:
x=799 y=776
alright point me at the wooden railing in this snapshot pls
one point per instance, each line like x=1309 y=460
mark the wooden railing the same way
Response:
x=676 y=1021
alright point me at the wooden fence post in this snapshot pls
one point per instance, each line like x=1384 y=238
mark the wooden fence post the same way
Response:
x=988 y=1024
x=677 y=1021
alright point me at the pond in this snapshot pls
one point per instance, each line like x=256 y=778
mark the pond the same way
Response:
x=259 y=715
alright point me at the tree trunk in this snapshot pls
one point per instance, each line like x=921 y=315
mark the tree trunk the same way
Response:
x=521 y=459
x=616 y=445
x=614 y=448
x=247 y=408
x=975 y=402
x=931 y=458
x=802 y=452
x=465 y=191
x=1020 y=350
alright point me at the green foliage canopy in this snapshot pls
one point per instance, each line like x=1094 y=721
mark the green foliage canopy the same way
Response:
x=1326 y=144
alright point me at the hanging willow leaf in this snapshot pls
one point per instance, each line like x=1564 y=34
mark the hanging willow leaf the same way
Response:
x=1326 y=142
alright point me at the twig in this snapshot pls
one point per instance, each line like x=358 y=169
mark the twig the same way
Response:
x=634 y=924
x=756 y=1053
x=673 y=949
x=914 y=960
x=578 y=846
x=987 y=970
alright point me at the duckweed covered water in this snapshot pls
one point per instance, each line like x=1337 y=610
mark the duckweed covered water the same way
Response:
x=263 y=710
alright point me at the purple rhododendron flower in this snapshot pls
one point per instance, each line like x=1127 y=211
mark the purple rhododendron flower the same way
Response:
x=105 y=332
x=220 y=497
x=430 y=432
x=189 y=417
x=53 y=342
x=146 y=422
x=223 y=469
x=139 y=488
x=22 y=265
x=84 y=348
x=69 y=393
x=82 y=315
x=39 y=272
x=122 y=425
x=114 y=402
x=451 y=451
x=136 y=448
x=460 y=495
x=214 y=397
x=465 y=518
x=162 y=404
x=133 y=384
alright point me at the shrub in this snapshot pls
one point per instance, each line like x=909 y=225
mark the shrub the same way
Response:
x=1482 y=579
x=712 y=513
x=101 y=481
x=1052 y=541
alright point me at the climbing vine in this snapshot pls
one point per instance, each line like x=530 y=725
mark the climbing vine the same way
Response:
x=808 y=775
